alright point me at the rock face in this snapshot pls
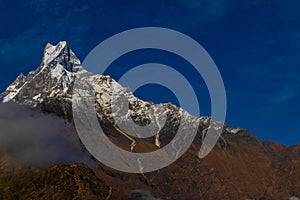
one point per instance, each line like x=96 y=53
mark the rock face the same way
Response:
x=239 y=167
x=50 y=85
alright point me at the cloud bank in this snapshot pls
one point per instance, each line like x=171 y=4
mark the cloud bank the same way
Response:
x=38 y=140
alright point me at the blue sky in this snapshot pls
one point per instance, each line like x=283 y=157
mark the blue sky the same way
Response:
x=255 y=44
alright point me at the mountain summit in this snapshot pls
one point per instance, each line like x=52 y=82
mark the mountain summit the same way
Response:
x=239 y=167
x=51 y=79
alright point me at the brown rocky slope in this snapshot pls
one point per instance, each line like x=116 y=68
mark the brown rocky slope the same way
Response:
x=58 y=182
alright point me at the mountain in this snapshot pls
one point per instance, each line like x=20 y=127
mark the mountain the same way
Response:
x=239 y=167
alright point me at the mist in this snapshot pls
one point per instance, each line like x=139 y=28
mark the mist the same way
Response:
x=37 y=140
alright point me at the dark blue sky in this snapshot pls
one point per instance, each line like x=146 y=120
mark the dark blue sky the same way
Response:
x=255 y=44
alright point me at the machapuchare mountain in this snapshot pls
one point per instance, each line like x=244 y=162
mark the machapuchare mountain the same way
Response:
x=239 y=167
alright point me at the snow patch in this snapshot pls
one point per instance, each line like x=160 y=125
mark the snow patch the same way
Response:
x=36 y=97
x=13 y=93
x=53 y=51
x=234 y=130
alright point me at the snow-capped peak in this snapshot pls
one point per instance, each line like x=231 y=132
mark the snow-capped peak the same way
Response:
x=62 y=55
x=52 y=78
x=51 y=52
